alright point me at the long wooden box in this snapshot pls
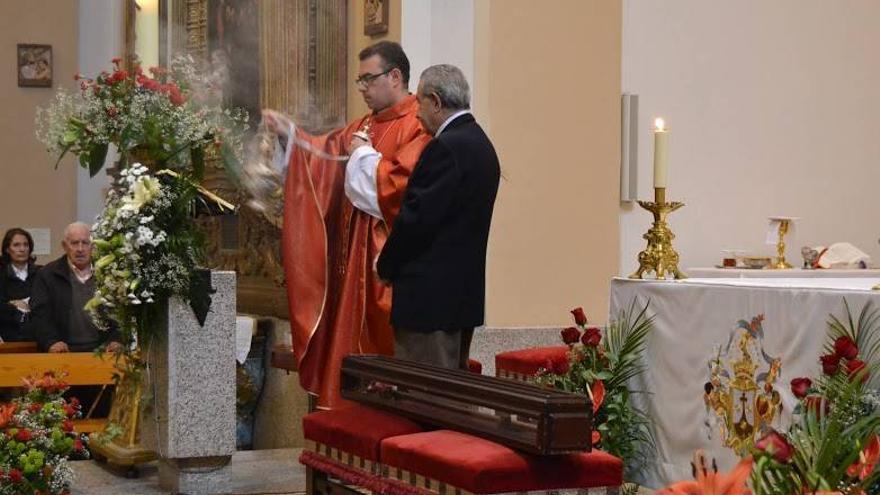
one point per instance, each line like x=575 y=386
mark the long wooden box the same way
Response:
x=525 y=417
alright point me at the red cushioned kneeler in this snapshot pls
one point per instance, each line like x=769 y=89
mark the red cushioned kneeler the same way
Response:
x=526 y=362
x=475 y=366
x=345 y=442
x=476 y=465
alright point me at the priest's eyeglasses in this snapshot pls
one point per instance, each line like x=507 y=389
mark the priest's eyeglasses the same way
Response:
x=365 y=80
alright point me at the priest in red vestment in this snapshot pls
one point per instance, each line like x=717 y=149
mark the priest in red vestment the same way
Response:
x=337 y=213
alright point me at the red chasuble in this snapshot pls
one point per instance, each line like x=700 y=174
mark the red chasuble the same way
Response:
x=338 y=306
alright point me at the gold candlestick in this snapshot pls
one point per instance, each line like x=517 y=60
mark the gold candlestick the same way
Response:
x=781 y=264
x=659 y=256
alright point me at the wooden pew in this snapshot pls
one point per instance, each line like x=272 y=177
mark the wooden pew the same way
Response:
x=17 y=347
x=82 y=368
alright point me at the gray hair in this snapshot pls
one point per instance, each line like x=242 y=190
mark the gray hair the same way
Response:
x=76 y=226
x=448 y=83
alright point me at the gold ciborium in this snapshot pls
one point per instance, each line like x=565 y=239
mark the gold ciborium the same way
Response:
x=659 y=256
x=784 y=225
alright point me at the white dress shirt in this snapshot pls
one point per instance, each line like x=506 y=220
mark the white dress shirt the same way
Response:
x=20 y=273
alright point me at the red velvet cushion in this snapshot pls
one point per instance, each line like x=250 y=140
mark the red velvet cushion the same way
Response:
x=475 y=366
x=356 y=429
x=527 y=361
x=483 y=466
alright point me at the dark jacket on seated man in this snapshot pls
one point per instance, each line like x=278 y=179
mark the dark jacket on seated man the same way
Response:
x=13 y=323
x=57 y=313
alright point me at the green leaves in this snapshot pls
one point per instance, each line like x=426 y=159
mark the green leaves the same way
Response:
x=97 y=155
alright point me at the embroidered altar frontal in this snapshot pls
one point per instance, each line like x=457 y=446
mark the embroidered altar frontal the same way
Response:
x=721 y=358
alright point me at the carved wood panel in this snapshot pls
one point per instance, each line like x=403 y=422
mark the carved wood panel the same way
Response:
x=302 y=63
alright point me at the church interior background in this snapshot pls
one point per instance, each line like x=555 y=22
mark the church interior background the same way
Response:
x=770 y=112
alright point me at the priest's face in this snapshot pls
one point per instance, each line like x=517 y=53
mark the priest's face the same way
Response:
x=379 y=87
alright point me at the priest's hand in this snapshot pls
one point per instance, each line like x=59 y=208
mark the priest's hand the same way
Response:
x=59 y=347
x=357 y=141
x=277 y=123
x=114 y=347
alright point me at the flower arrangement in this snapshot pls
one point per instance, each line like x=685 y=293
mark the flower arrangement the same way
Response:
x=601 y=367
x=833 y=444
x=171 y=119
x=147 y=250
x=163 y=125
x=36 y=439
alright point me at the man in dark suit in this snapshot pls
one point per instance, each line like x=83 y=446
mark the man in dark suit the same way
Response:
x=435 y=256
x=60 y=291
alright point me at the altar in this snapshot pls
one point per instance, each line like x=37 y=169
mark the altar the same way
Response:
x=722 y=356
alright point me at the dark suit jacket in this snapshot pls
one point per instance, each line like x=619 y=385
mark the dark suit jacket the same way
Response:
x=50 y=305
x=435 y=256
x=12 y=321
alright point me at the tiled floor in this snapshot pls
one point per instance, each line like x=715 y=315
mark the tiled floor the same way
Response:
x=254 y=472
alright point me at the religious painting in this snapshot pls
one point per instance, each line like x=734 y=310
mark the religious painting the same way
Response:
x=234 y=48
x=35 y=65
x=375 y=17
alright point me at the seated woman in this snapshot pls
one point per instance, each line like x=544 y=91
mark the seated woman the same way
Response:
x=16 y=279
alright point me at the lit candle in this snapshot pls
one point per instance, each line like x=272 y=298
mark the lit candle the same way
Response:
x=660 y=135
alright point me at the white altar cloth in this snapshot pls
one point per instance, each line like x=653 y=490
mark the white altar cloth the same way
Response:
x=793 y=273
x=698 y=319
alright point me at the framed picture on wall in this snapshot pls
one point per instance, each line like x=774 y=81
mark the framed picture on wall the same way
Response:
x=34 y=65
x=375 y=17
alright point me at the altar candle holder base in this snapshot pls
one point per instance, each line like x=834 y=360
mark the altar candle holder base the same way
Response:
x=659 y=257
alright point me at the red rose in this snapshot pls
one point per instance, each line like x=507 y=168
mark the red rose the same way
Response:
x=776 y=445
x=830 y=363
x=23 y=435
x=845 y=347
x=571 y=335
x=592 y=336
x=78 y=445
x=579 y=317
x=800 y=387
x=15 y=475
x=35 y=407
x=67 y=425
x=856 y=367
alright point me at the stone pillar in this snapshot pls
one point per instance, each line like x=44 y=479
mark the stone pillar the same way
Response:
x=189 y=415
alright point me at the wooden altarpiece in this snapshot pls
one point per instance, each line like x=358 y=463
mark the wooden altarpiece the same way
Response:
x=300 y=57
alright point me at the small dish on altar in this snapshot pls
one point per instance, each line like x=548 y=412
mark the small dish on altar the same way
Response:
x=756 y=262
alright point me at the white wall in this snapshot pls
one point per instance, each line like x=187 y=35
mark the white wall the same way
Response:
x=438 y=32
x=100 y=39
x=774 y=109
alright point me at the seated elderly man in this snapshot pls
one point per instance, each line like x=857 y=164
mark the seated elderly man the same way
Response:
x=61 y=290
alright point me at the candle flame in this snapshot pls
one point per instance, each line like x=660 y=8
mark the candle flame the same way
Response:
x=659 y=125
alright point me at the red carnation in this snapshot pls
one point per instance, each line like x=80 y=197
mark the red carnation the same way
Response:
x=776 y=445
x=857 y=368
x=579 y=317
x=23 y=435
x=67 y=425
x=830 y=363
x=15 y=475
x=592 y=336
x=78 y=445
x=845 y=347
x=800 y=387
x=571 y=335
